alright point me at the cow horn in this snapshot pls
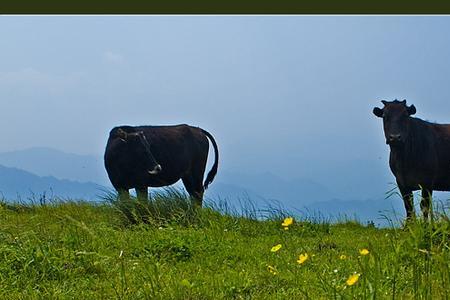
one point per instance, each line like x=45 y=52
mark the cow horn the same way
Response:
x=384 y=102
x=404 y=101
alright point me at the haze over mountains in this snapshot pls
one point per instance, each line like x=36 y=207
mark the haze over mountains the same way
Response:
x=35 y=171
x=23 y=186
x=50 y=162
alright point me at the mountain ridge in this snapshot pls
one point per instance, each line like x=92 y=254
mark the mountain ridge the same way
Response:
x=38 y=170
x=17 y=184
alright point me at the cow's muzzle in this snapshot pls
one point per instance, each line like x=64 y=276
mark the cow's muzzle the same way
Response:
x=155 y=170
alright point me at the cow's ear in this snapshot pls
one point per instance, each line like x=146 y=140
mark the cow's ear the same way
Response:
x=122 y=134
x=378 y=112
x=411 y=109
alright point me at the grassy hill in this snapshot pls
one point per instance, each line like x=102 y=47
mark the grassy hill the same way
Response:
x=167 y=249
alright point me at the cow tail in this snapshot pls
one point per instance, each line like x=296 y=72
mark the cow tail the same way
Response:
x=213 y=170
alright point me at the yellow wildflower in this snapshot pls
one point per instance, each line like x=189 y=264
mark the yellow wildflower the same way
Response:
x=302 y=258
x=342 y=257
x=364 y=251
x=352 y=279
x=287 y=222
x=276 y=248
x=272 y=270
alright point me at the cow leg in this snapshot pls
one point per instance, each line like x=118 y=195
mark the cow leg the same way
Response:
x=408 y=201
x=124 y=194
x=425 y=202
x=142 y=193
x=195 y=190
x=124 y=205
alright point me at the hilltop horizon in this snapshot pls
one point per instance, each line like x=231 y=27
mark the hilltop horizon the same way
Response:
x=42 y=170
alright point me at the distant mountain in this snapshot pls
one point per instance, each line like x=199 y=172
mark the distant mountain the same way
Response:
x=233 y=194
x=51 y=162
x=17 y=184
x=81 y=176
x=89 y=168
x=295 y=192
x=381 y=212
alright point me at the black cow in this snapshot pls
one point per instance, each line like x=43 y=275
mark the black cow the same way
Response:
x=155 y=156
x=420 y=153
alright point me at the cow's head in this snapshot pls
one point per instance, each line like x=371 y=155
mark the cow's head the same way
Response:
x=395 y=116
x=139 y=147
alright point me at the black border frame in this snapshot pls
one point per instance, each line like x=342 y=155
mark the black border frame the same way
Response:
x=224 y=7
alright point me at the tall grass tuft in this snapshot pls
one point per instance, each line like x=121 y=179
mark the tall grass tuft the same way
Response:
x=168 y=206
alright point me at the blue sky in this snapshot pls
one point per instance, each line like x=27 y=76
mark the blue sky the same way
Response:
x=291 y=95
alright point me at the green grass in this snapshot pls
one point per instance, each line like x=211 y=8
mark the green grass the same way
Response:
x=167 y=249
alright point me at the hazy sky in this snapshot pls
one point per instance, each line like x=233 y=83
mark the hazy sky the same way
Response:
x=279 y=93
